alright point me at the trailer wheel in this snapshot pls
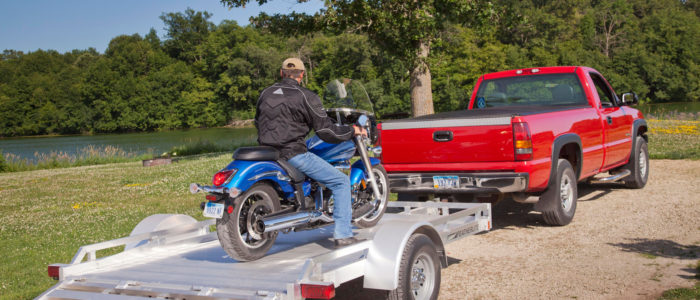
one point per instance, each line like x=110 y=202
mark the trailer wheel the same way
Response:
x=638 y=165
x=558 y=202
x=235 y=230
x=383 y=186
x=419 y=272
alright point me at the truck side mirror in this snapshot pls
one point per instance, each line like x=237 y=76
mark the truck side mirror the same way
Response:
x=630 y=98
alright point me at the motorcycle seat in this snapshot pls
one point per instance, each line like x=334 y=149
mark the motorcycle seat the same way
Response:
x=256 y=153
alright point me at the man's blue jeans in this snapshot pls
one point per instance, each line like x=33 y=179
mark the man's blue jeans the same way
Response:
x=321 y=171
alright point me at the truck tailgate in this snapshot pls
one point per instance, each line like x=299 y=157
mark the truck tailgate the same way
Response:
x=461 y=136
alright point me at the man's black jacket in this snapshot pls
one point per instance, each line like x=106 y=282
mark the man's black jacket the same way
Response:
x=286 y=113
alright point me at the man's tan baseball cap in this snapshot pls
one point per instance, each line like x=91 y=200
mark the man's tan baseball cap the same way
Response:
x=293 y=63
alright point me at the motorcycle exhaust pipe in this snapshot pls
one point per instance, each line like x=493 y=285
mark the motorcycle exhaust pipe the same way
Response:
x=280 y=222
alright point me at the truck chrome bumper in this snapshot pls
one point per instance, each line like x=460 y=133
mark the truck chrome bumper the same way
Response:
x=501 y=182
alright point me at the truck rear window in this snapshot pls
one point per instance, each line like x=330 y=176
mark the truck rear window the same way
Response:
x=548 y=89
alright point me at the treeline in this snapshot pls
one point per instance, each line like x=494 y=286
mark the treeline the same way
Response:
x=202 y=75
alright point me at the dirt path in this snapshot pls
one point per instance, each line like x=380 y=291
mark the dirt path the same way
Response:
x=622 y=244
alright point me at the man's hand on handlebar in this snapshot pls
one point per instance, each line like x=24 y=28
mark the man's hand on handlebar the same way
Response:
x=359 y=130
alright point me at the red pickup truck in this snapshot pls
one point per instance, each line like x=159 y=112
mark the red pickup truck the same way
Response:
x=529 y=133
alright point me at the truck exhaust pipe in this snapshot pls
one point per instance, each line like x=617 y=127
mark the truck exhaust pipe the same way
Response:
x=291 y=220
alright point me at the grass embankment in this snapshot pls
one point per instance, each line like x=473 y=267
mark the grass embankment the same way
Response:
x=46 y=215
x=93 y=155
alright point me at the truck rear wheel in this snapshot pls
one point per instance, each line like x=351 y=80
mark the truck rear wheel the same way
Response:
x=638 y=165
x=235 y=230
x=558 y=203
x=419 y=272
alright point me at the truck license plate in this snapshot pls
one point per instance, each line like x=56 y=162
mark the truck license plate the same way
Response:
x=213 y=210
x=446 y=182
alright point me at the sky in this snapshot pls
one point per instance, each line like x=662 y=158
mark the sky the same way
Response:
x=64 y=25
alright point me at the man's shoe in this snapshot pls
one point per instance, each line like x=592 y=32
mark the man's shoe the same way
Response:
x=345 y=242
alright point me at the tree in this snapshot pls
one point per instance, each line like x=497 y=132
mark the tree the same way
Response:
x=185 y=32
x=406 y=29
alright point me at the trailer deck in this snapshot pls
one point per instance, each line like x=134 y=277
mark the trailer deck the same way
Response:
x=188 y=262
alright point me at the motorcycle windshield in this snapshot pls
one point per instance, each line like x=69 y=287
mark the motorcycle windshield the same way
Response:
x=347 y=93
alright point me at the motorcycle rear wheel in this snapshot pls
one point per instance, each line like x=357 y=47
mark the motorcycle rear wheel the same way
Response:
x=383 y=185
x=235 y=230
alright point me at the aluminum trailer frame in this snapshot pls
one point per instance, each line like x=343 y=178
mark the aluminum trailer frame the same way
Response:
x=187 y=261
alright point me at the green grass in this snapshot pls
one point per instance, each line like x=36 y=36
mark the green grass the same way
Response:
x=46 y=215
x=674 y=139
x=685 y=293
x=692 y=293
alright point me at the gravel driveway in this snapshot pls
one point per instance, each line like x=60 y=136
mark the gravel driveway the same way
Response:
x=622 y=244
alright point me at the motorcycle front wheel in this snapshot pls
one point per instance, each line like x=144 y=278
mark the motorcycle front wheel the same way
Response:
x=235 y=230
x=380 y=206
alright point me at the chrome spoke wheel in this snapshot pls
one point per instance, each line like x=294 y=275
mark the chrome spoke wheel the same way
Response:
x=566 y=192
x=253 y=209
x=379 y=204
x=422 y=277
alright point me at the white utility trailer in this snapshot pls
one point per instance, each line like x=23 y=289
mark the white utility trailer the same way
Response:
x=176 y=257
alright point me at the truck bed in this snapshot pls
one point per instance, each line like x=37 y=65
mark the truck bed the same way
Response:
x=464 y=136
x=191 y=263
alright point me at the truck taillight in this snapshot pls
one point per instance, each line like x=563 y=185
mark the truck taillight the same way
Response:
x=222 y=177
x=317 y=291
x=522 y=140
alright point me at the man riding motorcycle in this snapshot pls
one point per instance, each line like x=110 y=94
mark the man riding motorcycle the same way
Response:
x=286 y=113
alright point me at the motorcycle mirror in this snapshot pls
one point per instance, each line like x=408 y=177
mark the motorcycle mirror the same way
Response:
x=362 y=120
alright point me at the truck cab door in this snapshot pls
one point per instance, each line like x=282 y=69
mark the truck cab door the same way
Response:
x=617 y=140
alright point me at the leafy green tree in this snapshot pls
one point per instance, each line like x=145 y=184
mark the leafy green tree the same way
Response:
x=185 y=31
x=405 y=29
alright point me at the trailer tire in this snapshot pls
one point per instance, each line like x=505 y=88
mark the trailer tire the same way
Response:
x=558 y=202
x=263 y=199
x=383 y=186
x=419 y=272
x=638 y=165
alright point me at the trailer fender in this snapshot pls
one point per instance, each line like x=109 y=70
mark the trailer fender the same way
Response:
x=384 y=256
x=156 y=223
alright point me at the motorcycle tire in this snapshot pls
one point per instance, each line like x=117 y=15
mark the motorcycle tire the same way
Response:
x=234 y=230
x=383 y=184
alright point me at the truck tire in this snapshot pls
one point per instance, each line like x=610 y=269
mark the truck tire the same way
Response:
x=638 y=165
x=234 y=230
x=383 y=186
x=558 y=202
x=419 y=272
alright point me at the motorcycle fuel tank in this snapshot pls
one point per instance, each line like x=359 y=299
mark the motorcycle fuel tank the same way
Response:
x=331 y=152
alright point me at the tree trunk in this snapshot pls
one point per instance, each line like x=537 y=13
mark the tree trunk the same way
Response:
x=421 y=87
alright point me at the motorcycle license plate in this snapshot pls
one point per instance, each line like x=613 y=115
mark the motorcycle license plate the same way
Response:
x=446 y=182
x=213 y=210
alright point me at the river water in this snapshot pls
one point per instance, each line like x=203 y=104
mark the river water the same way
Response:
x=137 y=143
x=159 y=142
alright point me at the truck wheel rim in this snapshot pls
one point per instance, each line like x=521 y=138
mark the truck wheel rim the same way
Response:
x=566 y=192
x=422 y=277
x=382 y=186
x=642 y=164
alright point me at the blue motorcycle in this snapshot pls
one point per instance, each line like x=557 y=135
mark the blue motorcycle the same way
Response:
x=258 y=195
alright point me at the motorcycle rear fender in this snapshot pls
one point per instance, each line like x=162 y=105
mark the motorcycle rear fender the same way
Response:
x=357 y=170
x=251 y=172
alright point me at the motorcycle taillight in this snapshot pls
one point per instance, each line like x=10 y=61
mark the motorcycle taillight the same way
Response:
x=222 y=177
